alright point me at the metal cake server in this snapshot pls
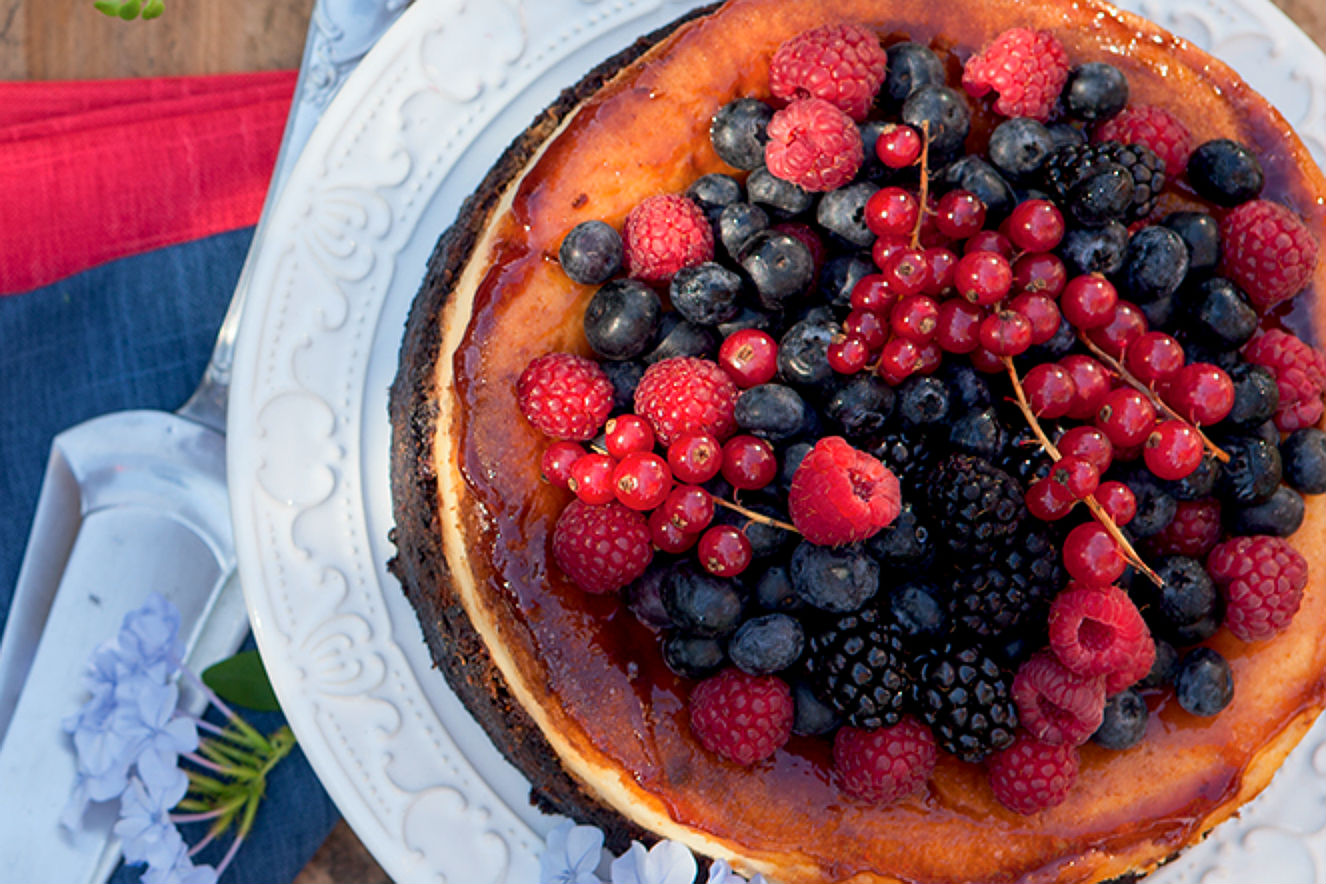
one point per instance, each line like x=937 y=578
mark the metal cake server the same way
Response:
x=135 y=502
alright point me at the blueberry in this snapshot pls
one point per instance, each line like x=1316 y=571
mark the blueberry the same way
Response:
x=1095 y=250
x=840 y=275
x=1220 y=313
x=693 y=656
x=910 y=66
x=967 y=386
x=747 y=317
x=1256 y=396
x=1155 y=264
x=738 y=223
x=680 y=337
x=1155 y=506
x=861 y=405
x=1303 y=454
x=1124 y=724
x=1201 y=234
x=771 y=411
x=1252 y=473
x=1279 y=516
x=774 y=590
x=923 y=400
x=1225 y=172
x=767 y=542
x=712 y=192
x=624 y=377
x=834 y=578
x=872 y=169
x=644 y=596
x=919 y=610
x=1059 y=345
x=1187 y=598
x=739 y=132
x=810 y=717
x=1102 y=195
x=1198 y=484
x=1164 y=668
x=904 y=543
x=946 y=112
x=793 y=455
x=979 y=432
x=767 y=644
x=705 y=294
x=1204 y=683
x=974 y=174
x=701 y=603
x=780 y=265
x=1162 y=313
x=783 y=198
x=803 y=352
x=842 y=211
x=622 y=318
x=1066 y=135
x=591 y=252
x=1094 y=91
x=1018 y=147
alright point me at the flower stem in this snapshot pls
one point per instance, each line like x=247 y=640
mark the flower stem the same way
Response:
x=224 y=809
x=1097 y=511
x=230 y=855
x=924 y=192
x=228 y=770
x=243 y=726
x=754 y=516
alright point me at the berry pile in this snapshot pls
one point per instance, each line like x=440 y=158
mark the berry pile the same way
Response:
x=916 y=440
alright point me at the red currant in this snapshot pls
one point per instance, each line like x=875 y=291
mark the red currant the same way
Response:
x=929 y=357
x=627 y=433
x=1088 y=301
x=1041 y=311
x=1041 y=272
x=689 y=507
x=1078 y=476
x=915 y=317
x=898 y=146
x=1092 y=383
x=556 y=462
x=667 y=536
x=1118 y=501
x=724 y=551
x=695 y=458
x=989 y=241
x=1050 y=390
x=906 y=271
x=591 y=478
x=642 y=480
x=886 y=244
x=1006 y=333
x=1126 y=325
x=848 y=354
x=1048 y=501
x=1035 y=226
x=1173 y=450
x=899 y=359
x=1089 y=444
x=1092 y=556
x=982 y=277
x=749 y=462
x=958 y=325
x=871 y=292
x=939 y=263
x=959 y=214
x=1154 y=358
x=891 y=210
x=986 y=362
x=1202 y=393
x=749 y=356
x=1126 y=416
x=868 y=326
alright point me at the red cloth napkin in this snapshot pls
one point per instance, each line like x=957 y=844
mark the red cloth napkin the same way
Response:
x=96 y=170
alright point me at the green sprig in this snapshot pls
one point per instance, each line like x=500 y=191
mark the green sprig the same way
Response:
x=130 y=9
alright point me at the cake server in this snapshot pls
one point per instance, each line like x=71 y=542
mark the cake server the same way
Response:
x=135 y=502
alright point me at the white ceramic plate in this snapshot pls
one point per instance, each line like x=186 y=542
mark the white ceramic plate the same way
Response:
x=409 y=136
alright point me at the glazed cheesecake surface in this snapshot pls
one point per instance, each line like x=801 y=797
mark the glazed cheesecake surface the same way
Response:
x=573 y=688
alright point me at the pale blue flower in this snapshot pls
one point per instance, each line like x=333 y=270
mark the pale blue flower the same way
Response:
x=571 y=855
x=667 y=862
x=153 y=724
x=145 y=825
x=721 y=873
x=104 y=751
x=179 y=870
x=149 y=635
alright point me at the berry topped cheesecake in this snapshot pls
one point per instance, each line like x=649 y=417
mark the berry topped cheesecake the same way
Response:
x=879 y=441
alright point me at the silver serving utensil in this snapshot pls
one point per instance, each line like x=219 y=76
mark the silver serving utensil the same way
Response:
x=135 y=502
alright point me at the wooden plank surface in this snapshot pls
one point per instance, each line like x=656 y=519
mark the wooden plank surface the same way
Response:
x=67 y=39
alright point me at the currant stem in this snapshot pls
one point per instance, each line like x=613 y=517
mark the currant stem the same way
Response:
x=1133 y=381
x=1097 y=511
x=754 y=516
x=925 y=183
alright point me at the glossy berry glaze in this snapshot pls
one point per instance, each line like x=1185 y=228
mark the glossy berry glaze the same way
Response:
x=567 y=682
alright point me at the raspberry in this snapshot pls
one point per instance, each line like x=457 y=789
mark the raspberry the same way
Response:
x=564 y=396
x=1268 y=251
x=1193 y=531
x=886 y=764
x=1030 y=776
x=841 y=495
x=1262 y=579
x=1027 y=68
x=1136 y=670
x=814 y=145
x=1300 y=376
x=842 y=64
x=1155 y=127
x=1054 y=704
x=744 y=718
x=663 y=234
x=601 y=548
x=687 y=395
x=1095 y=630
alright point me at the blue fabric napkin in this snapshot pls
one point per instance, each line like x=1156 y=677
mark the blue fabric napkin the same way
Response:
x=136 y=333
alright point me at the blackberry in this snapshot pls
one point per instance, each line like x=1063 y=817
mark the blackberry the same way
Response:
x=973 y=503
x=1010 y=591
x=965 y=696
x=856 y=667
x=1022 y=456
x=1069 y=165
x=909 y=455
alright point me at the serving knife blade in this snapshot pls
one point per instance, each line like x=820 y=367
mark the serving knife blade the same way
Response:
x=135 y=502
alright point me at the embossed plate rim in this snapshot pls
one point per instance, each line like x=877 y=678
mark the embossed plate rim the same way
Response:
x=308 y=437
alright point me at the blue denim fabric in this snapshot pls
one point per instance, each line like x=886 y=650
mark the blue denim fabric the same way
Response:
x=135 y=333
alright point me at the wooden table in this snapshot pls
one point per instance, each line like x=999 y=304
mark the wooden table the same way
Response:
x=68 y=39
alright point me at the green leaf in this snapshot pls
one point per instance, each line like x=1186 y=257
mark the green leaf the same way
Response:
x=242 y=680
x=129 y=9
x=109 y=7
x=153 y=9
